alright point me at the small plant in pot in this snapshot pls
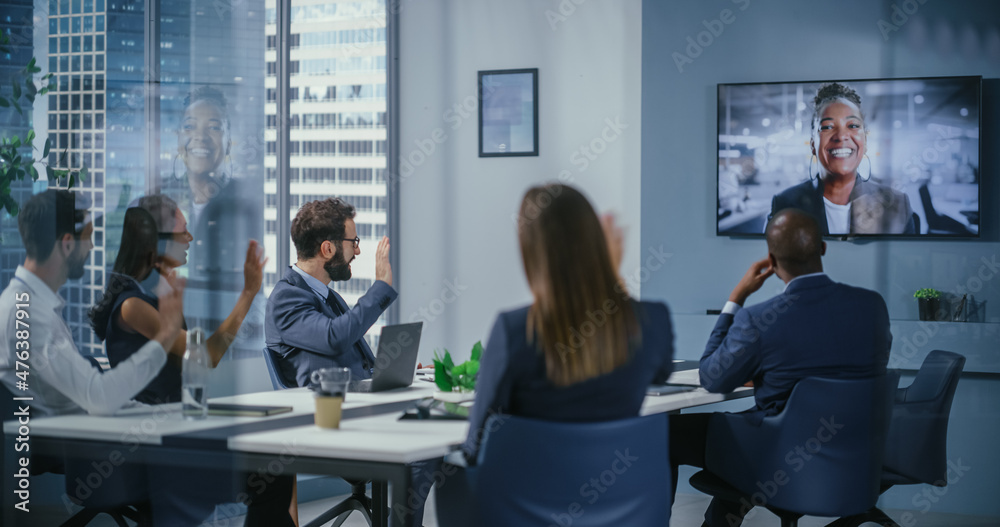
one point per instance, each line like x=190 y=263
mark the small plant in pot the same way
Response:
x=928 y=303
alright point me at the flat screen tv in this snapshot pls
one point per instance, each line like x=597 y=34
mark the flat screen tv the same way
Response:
x=877 y=157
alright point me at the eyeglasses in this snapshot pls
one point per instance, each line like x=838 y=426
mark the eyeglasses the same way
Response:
x=356 y=240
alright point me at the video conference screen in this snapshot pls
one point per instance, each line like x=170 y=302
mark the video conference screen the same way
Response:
x=895 y=157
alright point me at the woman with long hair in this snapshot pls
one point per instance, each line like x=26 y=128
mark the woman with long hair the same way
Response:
x=583 y=350
x=155 y=241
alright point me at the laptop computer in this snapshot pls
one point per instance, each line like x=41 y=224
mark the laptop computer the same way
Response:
x=395 y=360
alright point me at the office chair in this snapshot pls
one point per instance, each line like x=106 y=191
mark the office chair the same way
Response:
x=358 y=500
x=937 y=223
x=533 y=472
x=821 y=455
x=917 y=445
x=121 y=494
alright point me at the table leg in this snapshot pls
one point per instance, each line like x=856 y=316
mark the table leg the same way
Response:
x=380 y=504
x=402 y=515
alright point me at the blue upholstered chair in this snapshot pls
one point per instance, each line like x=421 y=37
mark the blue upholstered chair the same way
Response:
x=358 y=500
x=821 y=455
x=532 y=472
x=917 y=445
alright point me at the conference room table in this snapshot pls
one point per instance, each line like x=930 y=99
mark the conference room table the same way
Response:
x=371 y=444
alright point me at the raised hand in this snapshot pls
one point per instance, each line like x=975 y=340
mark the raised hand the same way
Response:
x=383 y=270
x=754 y=278
x=253 y=268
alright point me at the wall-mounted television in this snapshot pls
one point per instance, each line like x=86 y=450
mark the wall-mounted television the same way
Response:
x=877 y=157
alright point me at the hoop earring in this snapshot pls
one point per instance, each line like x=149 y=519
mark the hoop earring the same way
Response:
x=173 y=167
x=811 y=174
x=869 y=169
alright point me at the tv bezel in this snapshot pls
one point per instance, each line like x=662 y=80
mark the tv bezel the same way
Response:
x=852 y=237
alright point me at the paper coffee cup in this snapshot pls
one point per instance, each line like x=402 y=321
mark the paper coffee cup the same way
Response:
x=328 y=410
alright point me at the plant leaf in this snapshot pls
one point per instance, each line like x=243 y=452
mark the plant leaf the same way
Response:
x=17 y=107
x=48 y=145
x=441 y=377
x=31 y=136
x=4 y=103
x=31 y=63
x=83 y=173
x=72 y=181
x=17 y=90
x=34 y=173
x=477 y=351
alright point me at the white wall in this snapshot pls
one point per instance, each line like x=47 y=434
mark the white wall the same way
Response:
x=459 y=259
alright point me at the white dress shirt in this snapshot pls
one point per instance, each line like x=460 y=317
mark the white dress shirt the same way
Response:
x=59 y=379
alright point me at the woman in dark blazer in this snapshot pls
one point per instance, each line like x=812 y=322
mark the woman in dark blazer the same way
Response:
x=583 y=350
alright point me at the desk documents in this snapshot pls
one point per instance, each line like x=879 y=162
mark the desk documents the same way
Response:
x=684 y=378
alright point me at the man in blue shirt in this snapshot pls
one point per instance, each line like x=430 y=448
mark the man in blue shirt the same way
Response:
x=308 y=325
x=815 y=328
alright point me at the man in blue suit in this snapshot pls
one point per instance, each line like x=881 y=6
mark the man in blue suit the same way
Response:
x=308 y=325
x=815 y=328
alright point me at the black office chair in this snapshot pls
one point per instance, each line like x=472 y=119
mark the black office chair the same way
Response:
x=937 y=223
x=834 y=428
x=122 y=493
x=358 y=500
x=917 y=445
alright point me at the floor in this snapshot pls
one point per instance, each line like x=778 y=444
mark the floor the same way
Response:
x=687 y=512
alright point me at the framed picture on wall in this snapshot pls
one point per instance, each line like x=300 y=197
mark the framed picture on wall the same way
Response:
x=508 y=113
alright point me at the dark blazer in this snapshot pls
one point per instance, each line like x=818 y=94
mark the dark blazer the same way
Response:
x=875 y=209
x=307 y=334
x=512 y=376
x=816 y=327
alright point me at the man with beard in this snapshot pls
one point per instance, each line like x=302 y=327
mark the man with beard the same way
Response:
x=55 y=228
x=308 y=325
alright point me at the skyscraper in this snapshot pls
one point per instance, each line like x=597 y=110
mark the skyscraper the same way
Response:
x=337 y=122
x=97 y=117
x=16 y=22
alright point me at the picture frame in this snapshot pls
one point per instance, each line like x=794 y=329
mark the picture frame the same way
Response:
x=508 y=112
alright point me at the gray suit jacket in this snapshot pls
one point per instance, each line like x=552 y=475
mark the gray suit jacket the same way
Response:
x=875 y=209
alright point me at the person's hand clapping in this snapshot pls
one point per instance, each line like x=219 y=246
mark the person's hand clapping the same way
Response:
x=170 y=309
x=383 y=270
x=253 y=268
x=754 y=278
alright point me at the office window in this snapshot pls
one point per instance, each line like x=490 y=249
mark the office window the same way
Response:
x=97 y=116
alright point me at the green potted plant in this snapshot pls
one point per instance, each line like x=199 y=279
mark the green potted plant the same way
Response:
x=459 y=379
x=928 y=303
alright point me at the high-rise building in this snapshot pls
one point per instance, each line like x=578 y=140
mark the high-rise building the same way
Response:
x=337 y=123
x=97 y=118
x=16 y=21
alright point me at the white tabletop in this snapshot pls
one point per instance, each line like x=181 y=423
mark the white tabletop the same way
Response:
x=384 y=438
x=381 y=438
x=149 y=424
x=679 y=401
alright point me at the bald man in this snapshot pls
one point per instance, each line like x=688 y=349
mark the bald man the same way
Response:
x=815 y=328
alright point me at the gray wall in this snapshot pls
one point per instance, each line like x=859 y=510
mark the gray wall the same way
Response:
x=459 y=260
x=794 y=41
